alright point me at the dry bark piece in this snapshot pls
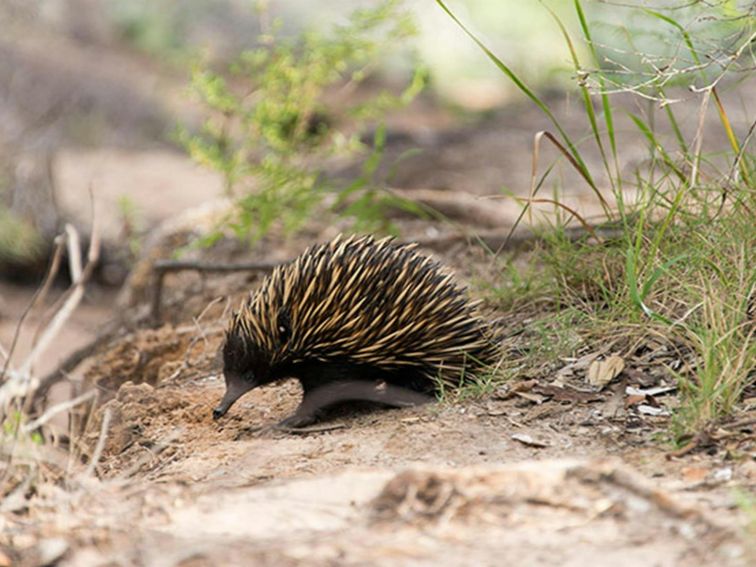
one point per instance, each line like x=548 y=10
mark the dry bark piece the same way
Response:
x=651 y=392
x=646 y=409
x=567 y=394
x=526 y=439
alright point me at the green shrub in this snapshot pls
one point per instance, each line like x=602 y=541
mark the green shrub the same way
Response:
x=282 y=110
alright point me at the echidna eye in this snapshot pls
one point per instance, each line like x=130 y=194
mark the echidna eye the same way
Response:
x=284 y=326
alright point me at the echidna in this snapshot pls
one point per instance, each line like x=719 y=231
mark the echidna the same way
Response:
x=355 y=318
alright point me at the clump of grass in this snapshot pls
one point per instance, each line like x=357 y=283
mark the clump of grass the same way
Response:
x=720 y=287
x=471 y=387
x=680 y=262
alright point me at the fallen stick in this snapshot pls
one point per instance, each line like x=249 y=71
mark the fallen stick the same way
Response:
x=56 y=409
x=162 y=267
x=100 y=442
x=73 y=360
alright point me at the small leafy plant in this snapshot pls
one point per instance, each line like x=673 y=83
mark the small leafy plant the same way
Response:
x=281 y=112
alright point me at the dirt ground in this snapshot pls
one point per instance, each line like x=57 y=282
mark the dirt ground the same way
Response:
x=543 y=471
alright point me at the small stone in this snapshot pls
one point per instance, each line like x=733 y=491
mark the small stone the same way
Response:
x=51 y=550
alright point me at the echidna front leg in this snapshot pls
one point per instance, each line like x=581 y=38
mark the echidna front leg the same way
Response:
x=318 y=399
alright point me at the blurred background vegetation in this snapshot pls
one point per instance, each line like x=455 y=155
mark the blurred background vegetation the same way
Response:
x=115 y=72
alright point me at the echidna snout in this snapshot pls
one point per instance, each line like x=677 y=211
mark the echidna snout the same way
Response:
x=236 y=387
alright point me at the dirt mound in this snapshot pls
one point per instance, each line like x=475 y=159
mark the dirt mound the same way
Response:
x=139 y=358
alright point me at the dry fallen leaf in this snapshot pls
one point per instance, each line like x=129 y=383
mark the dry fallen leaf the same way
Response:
x=694 y=474
x=634 y=400
x=601 y=372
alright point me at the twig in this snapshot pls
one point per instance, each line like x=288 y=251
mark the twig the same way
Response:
x=181 y=265
x=740 y=423
x=202 y=335
x=154 y=451
x=52 y=271
x=699 y=138
x=56 y=409
x=311 y=429
x=74 y=252
x=262 y=429
x=73 y=300
x=74 y=359
x=698 y=440
x=24 y=384
x=100 y=442
x=739 y=157
x=163 y=267
x=55 y=266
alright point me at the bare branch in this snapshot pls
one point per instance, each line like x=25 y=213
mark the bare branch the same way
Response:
x=56 y=409
x=163 y=267
x=41 y=292
x=23 y=383
x=100 y=442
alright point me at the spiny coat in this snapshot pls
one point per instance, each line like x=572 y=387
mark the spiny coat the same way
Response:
x=356 y=309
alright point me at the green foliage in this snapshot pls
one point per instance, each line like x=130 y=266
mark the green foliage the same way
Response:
x=280 y=113
x=11 y=428
x=681 y=263
x=132 y=224
x=20 y=242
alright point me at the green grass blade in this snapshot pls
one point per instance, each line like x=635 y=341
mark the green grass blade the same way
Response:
x=605 y=104
x=730 y=134
x=659 y=272
x=683 y=32
x=636 y=295
x=511 y=75
x=579 y=169
x=587 y=102
x=651 y=137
